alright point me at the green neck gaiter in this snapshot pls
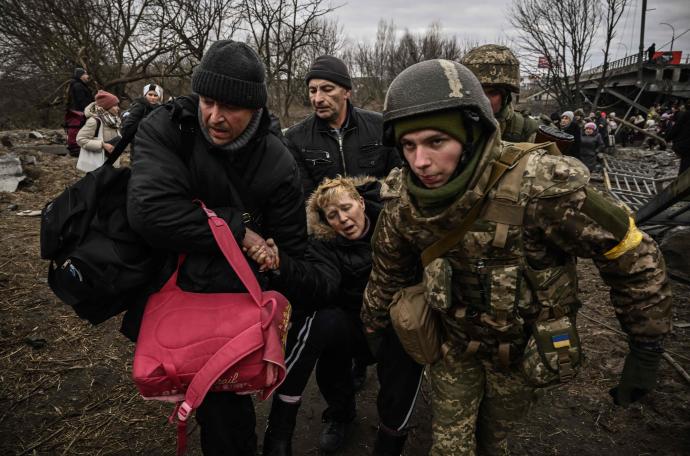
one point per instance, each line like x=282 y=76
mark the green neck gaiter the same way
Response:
x=434 y=200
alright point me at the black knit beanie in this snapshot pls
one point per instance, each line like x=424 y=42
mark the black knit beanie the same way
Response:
x=331 y=69
x=79 y=72
x=231 y=72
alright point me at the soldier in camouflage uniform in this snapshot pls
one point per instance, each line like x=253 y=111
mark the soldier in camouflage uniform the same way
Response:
x=513 y=284
x=498 y=70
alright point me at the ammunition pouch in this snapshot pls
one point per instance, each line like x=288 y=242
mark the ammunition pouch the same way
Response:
x=553 y=354
x=416 y=324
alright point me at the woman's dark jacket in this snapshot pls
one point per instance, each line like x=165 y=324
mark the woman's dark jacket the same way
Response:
x=590 y=145
x=335 y=270
x=319 y=152
x=139 y=109
x=679 y=133
x=79 y=95
x=574 y=129
x=261 y=178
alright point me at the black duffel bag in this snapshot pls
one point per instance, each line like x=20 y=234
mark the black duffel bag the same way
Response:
x=98 y=264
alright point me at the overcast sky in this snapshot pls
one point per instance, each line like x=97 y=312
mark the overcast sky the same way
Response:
x=486 y=21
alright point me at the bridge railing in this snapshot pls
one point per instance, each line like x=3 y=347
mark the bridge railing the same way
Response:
x=620 y=63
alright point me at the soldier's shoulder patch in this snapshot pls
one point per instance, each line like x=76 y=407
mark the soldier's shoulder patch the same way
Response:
x=555 y=175
x=393 y=184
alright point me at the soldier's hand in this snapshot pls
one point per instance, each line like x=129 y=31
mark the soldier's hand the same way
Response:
x=638 y=376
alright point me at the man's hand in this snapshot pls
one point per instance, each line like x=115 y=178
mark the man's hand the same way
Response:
x=638 y=377
x=266 y=255
x=108 y=148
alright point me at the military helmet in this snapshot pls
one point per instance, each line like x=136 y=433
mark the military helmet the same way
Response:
x=435 y=85
x=494 y=65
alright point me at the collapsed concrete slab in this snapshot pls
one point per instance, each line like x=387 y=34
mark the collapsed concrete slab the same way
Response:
x=11 y=173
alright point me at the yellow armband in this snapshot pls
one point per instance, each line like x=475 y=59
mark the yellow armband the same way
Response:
x=631 y=240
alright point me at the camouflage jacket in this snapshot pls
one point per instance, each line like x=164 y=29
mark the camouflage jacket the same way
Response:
x=518 y=257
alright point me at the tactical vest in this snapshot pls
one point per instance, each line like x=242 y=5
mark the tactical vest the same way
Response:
x=497 y=296
x=519 y=128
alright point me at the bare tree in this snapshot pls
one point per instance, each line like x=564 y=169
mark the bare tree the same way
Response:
x=283 y=32
x=117 y=41
x=196 y=23
x=614 y=12
x=378 y=63
x=372 y=63
x=562 y=33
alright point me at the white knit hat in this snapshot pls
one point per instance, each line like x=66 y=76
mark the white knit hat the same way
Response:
x=156 y=88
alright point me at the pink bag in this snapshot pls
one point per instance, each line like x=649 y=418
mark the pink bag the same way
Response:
x=190 y=343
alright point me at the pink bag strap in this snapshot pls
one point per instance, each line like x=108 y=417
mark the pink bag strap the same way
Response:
x=171 y=283
x=229 y=354
x=228 y=245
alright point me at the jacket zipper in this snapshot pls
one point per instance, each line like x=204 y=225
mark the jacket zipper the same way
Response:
x=342 y=154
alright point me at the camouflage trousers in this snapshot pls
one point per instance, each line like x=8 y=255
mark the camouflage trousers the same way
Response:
x=475 y=404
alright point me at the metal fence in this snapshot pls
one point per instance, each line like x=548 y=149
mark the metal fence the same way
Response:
x=629 y=182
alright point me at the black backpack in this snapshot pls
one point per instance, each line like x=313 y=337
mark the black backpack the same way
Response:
x=99 y=265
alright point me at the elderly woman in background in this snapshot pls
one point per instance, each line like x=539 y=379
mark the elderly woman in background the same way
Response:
x=100 y=133
x=569 y=126
x=591 y=144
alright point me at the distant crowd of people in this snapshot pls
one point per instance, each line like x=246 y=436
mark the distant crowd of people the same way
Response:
x=592 y=134
x=668 y=121
x=598 y=132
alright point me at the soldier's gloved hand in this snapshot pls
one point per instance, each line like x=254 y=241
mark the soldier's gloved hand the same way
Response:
x=374 y=339
x=639 y=375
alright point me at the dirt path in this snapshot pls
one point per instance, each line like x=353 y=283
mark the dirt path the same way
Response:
x=65 y=387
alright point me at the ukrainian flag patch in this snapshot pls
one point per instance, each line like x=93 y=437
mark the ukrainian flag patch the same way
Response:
x=560 y=340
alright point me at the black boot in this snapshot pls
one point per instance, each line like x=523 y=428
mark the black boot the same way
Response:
x=335 y=428
x=281 y=425
x=332 y=436
x=389 y=442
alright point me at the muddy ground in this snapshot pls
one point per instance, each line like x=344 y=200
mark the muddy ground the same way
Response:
x=65 y=387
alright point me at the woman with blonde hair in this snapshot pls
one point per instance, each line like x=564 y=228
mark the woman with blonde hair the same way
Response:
x=327 y=331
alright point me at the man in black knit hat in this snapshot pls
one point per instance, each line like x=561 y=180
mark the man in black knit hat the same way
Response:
x=337 y=138
x=215 y=146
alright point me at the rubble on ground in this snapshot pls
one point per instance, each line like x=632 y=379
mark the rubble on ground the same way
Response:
x=11 y=173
